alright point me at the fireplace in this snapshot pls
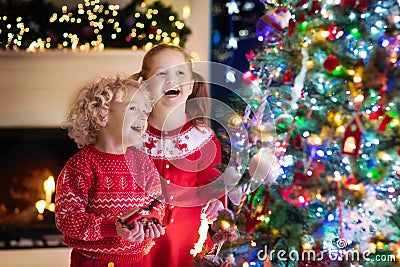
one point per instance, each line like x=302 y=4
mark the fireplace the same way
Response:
x=29 y=160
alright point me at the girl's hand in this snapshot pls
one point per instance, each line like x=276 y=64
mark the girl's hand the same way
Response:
x=212 y=208
x=154 y=231
x=135 y=235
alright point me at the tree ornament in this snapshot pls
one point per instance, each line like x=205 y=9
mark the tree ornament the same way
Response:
x=360 y=5
x=294 y=194
x=235 y=195
x=299 y=80
x=331 y=63
x=384 y=123
x=352 y=136
x=270 y=26
x=231 y=176
x=263 y=168
x=288 y=77
x=255 y=207
x=224 y=227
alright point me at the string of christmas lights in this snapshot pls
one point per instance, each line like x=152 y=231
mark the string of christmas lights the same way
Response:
x=91 y=25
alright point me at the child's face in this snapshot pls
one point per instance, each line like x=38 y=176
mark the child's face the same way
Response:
x=170 y=81
x=129 y=118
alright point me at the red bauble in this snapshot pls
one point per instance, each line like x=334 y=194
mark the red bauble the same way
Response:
x=331 y=63
x=360 y=5
x=288 y=77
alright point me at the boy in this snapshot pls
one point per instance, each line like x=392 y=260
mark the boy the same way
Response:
x=108 y=176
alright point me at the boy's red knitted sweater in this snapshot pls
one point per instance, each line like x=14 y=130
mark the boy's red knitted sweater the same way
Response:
x=93 y=189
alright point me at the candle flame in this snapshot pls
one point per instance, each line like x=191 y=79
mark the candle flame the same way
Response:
x=49 y=187
x=49 y=184
x=40 y=206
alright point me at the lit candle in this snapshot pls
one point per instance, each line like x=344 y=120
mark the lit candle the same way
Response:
x=49 y=187
x=40 y=206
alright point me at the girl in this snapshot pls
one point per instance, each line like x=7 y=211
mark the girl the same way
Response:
x=97 y=184
x=184 y=150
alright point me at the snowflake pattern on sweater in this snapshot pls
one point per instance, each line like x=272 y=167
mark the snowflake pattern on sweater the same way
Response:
x=93 y=189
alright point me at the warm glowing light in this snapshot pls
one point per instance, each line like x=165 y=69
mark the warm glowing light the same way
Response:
x=324 y=34
x=40 y=206
x=49 y=187
x=357 y=79
x=317 y=140
x=355 y=187
x=351 y=72
x=338 y=118
x=52 y=207
x=186 y=11
x=225 y=224
x=341 y=129
x=236 y=120
x=306 y=246
x=148 y=46
x=372 y=247
x=310 y=64
x=359 y=98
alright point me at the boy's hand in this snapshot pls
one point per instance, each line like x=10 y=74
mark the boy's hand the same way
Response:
x=135 y=235
x=212 y=208
x=154 y=231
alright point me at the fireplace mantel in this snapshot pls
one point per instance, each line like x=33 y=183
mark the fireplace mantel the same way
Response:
x=36 y=89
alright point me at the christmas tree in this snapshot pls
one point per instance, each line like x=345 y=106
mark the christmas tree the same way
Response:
x=322 y=188
x=37 y=25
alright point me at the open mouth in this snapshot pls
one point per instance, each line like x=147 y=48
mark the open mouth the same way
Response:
x=172 y=92
x=137 y=128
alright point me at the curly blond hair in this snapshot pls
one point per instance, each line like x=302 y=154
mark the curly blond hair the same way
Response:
x=91 y=107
